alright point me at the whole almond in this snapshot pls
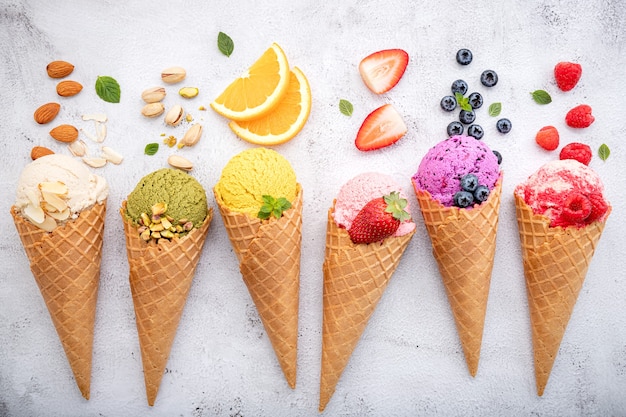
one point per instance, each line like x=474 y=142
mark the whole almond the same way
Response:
x=46 y=113
x=64 y=133
x=39 y=151
x=68 y=88
x=59 y=69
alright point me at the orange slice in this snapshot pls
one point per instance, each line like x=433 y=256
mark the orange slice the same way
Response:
x=285 y=121
x=257 y=91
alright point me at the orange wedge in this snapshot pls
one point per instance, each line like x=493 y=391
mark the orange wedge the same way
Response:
x=259 y=90
x=287 y=118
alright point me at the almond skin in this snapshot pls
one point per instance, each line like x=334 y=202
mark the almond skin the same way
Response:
x=64 y=133
x=39 y=151
x=68 y=88
x=59 y=69
x=46 y=113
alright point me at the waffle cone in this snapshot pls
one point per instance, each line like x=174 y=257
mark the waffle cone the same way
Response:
x=269 y=261
x=160 y=278
x=464 y=245
x=555 y=264
x=66 y=266
x=355 y=277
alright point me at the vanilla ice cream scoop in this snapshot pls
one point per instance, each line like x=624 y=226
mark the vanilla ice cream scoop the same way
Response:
x=57 y=187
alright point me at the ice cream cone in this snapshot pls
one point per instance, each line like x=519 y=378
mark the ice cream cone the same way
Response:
x=355 y=277
x=66 y=266
x=464 y=245
x=160 y=278
x=556 y=260
x=269 y=256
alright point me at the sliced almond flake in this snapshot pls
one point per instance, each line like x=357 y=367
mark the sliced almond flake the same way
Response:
x=54 y=200
x=95 y=162
x=98 y=117
x=35 y=214
x=53 y=187
x=60 y=216
x=111 y=155
x=78 y=148
x=32 y=196
x=48 y=225
x=89 y=135
x=101 y=132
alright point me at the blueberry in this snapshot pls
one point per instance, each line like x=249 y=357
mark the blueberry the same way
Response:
x=469 y=182
x=467 y=117
x=455 y=128
x=459 y=86
x=475 y=131
x=463 y=199
x=464 y=56
x=448 y=103
x=499 y=156
x=504 y=125
x=489 y=78
x=475 y=100
x=481 y=193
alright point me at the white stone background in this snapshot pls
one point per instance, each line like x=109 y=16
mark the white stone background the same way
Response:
x=409 y=360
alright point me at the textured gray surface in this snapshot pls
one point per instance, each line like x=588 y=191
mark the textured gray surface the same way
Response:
x=409 y=360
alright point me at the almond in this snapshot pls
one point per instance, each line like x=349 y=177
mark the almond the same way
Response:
x=64 y=133
x=39 y=151
x=68 y=88
x=59 y=69
x=46 y=113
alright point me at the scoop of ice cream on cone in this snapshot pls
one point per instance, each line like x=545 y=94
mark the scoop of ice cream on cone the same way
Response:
x=59 y=214
x=166 y=221
x=561 y=213
x=356 y=274
x=260 y=203
x=458 y=186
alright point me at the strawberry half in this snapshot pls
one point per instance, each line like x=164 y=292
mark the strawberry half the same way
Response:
x=382 y=70
x=379 y=219
x=382 y=127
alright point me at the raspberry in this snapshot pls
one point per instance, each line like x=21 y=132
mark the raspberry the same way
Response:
x=577 y=209
x=548 y=138
x=579 y=117
x=577 y=151
x=567 y=75
x=598 y=207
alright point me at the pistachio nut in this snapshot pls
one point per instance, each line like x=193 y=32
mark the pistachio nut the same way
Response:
x=153 y=109
x=174 y=115
x=188 y=92
x=179 y=162
x=192 y=136
x=153 y=94
x=173 y=75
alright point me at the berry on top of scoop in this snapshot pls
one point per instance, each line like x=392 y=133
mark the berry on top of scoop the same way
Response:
x=382 y=70
x=463 y=199
x=578 y=151
x=579 y=117
x=481 y=193
x=379 y=219
x=464 y=56
x=469 y=182
x=598 y=207
x=567 y=75
x=577 y=209
x=548 y=138
x=382 y=127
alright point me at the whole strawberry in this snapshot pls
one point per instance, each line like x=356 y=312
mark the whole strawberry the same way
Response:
x=579 y=117
x=379 y=219
x=567 y=75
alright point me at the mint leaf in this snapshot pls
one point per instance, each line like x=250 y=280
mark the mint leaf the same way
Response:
x=463 y=102
x=108 y=89
x=225 y=44
x=604 y=152
x=541 y=97
x=151 y=148
x=273 y=207
x=345 y=107
x=495 y=109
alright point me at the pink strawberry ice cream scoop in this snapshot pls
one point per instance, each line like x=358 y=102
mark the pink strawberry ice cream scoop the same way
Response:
x=444 y=165
x=361 y=189
x=567 y=192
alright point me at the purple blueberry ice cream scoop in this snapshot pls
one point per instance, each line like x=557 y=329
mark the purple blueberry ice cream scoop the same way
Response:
x=444 y=165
